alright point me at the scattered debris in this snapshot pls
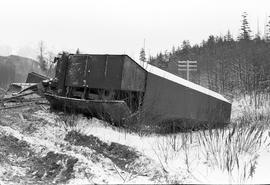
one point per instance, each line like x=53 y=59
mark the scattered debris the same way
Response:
x=11 y=101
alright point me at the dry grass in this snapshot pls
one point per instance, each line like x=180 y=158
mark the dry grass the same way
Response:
x=231 y=152
x=234 y=149
x=251 y=108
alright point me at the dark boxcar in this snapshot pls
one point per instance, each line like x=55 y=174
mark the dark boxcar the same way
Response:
x=117 y=88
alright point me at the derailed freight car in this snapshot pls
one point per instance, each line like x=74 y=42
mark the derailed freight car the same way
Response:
x=116 y=88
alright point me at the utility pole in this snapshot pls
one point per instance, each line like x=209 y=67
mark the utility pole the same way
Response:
x=187 y=66
x=144 y=51
x=144 y=44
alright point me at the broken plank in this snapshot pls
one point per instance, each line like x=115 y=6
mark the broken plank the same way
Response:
x=15 y=97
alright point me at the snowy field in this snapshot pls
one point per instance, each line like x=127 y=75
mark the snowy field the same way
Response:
x=40 y=147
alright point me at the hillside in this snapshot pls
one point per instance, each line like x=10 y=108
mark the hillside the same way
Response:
x=224 y=64
x=15 y=68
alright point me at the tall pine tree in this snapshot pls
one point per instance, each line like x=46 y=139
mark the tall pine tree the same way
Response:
x=142 y=55
x=267 y=34
x=245 y=29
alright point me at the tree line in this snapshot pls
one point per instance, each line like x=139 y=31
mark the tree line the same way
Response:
x=225 y=64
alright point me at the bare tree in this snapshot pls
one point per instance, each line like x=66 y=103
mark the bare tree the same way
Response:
x=40 y=57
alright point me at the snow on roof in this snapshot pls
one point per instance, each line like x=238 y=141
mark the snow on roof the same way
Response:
x=164 y=74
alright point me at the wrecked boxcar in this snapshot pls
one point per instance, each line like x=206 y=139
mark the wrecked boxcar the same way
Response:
x=116 y=88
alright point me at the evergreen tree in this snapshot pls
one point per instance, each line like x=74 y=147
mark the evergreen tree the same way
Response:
x=245 y=29
x=142 y=55
x=185 y=51
x=228 y=36
x=151 y=60
x=161 y=61
x=225 y=65
x=185 y=45
x=267 y=34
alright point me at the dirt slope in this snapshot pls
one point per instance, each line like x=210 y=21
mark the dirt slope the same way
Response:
x=37 y=147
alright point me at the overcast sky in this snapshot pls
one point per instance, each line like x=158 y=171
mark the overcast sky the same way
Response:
x=120 y=26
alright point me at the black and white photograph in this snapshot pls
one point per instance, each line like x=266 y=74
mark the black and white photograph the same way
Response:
x=134 y=92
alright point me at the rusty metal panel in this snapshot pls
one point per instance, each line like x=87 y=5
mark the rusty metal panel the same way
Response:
x=133 y=76
x=60 y=73
x=114 y=71
x=95 y=71
x=105 y=71
x=75 y=74
x=165 y=99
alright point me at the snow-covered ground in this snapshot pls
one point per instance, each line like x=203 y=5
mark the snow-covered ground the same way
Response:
x=40 y=147
x=184 y=158
x=69 y=158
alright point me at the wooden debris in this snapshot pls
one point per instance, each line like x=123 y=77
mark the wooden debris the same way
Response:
x=16 y=97
x=22 y=104
x=21 y=100
x=12 y=107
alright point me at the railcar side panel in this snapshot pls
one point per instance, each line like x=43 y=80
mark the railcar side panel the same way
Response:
x=75 y=72
x=133 y=76
x=95 y=71
x=165 y=99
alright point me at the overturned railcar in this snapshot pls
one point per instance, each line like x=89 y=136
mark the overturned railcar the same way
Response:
x=116 y=88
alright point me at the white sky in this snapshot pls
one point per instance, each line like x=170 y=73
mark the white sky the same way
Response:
x=120 y=26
